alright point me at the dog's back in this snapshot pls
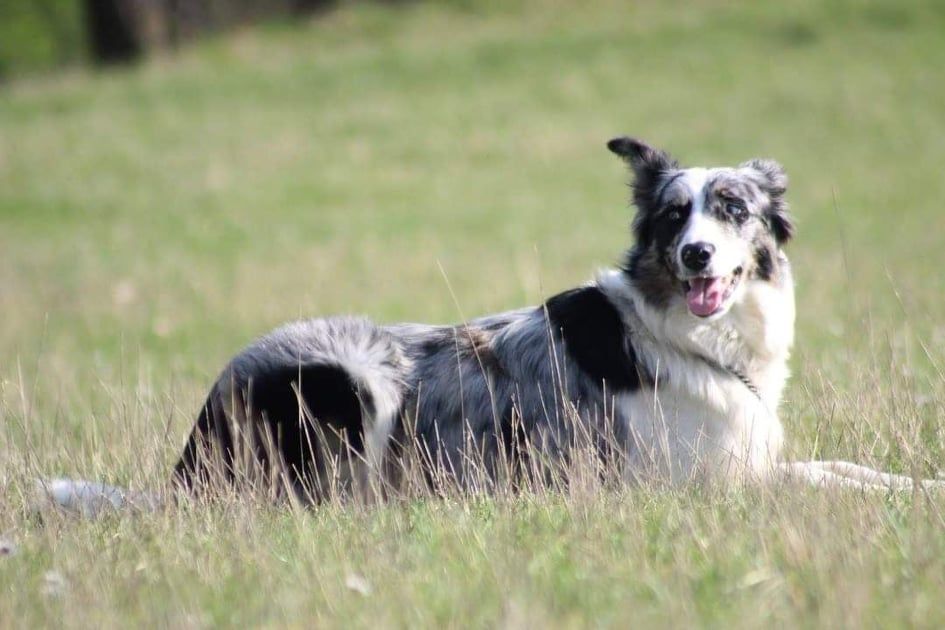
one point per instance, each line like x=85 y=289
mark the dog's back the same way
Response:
x=318 y=397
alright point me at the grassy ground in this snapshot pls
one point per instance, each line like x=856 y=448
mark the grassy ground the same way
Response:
x=153 y=221
x=40 y=35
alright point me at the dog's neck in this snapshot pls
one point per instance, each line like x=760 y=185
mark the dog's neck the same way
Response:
x=753 y=340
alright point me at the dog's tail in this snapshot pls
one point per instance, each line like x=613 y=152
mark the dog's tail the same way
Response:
x=307 y=398
x=90 y=498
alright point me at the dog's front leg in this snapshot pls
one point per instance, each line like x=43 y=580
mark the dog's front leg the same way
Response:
x=849 y=475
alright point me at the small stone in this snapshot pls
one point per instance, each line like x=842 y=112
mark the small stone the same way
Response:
x=54 y=584
x=7 y=548
x=358 y=584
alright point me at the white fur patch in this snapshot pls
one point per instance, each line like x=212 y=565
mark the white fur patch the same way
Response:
x=730 y=251
x=697 y=418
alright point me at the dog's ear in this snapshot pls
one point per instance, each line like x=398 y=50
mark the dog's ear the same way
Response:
x=650 y=167
x=773 y=181
x=645 y=161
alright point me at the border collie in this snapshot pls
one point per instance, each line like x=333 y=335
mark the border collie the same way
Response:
x=672 y=365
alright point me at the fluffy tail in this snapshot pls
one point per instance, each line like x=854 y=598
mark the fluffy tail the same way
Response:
x=313 y=402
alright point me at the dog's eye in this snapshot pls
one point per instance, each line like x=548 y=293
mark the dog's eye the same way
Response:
x=735 y=210
x=677 y=213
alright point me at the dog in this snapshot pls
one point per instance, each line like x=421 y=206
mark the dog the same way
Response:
x=670 y=366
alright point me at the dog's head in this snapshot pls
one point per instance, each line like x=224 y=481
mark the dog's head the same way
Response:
x=702 y=234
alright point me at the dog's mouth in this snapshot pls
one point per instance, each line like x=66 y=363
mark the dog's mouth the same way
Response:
x=706 y=296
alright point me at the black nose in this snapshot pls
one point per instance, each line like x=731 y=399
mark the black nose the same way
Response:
x=696 y=256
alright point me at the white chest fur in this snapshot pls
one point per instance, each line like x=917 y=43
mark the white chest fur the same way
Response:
x=709 y=425
x=697 y=417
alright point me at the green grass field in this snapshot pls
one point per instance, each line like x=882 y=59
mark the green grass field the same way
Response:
x=385 y=160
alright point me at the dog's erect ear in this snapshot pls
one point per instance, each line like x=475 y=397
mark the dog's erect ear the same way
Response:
x=642 y=158
x=649 y=167
x=773 y=181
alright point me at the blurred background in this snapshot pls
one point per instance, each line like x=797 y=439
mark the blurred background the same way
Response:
x=178 y=176
x=49 y=34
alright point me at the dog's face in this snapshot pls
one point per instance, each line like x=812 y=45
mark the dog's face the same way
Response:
x=703 y=234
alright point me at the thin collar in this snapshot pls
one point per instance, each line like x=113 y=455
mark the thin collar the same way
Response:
x=733 y=371
x=744 y=379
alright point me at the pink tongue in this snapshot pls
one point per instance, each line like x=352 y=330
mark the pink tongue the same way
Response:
x=705 y=295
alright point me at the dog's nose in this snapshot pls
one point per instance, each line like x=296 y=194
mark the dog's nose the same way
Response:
x=696 y=256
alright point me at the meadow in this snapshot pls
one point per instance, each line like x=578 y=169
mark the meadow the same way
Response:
x=432 y=162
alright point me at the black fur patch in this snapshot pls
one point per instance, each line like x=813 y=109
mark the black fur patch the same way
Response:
x=210 y=435
x=651 y=170
x=650 y=273
x=595 y=337
x=764 y=263
x=649 y=262
x=329 y=395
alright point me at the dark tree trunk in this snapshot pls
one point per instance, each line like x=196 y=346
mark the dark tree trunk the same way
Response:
x=112 y=29
x=302 y=7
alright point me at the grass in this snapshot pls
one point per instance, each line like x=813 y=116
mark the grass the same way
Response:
x=38 y=36
x=153 y=221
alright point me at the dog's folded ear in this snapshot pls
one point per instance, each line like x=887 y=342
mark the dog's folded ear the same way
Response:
x=773 y=181
x=641 y=157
